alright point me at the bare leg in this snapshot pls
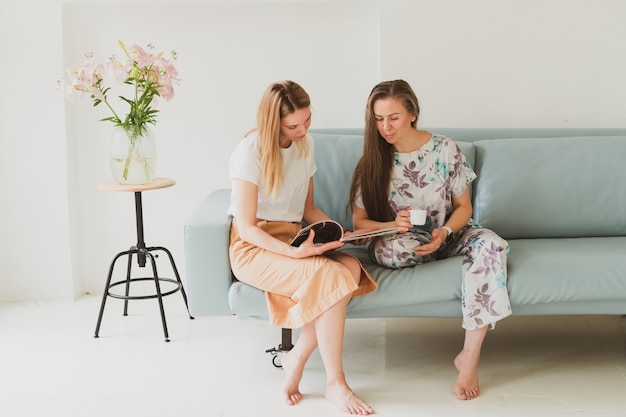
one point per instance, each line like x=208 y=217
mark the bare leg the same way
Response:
x=325 y=332
x=466 y=362
x=330 y=331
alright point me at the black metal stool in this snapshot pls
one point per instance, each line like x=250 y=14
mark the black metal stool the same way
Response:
x=143 y=253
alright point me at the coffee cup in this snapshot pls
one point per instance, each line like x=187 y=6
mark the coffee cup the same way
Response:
x=417 y=217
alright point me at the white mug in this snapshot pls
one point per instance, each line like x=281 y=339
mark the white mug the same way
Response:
x=417 y=217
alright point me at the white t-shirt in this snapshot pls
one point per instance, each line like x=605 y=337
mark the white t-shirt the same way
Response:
x=289 y=204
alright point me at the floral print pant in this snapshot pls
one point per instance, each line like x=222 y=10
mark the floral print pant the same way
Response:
x=484 y=295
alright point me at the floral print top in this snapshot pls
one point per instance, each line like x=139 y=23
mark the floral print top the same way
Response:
x=429 y=177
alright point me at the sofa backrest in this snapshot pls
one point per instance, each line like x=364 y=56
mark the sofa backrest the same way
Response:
x=557 y=183
x=551 y=187
x=336 y=156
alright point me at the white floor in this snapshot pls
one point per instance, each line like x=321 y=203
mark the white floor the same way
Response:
x=50 y=365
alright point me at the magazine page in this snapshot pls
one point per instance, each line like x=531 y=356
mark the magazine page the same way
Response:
x=373 y=233
x=325 y=231
x=330 y=231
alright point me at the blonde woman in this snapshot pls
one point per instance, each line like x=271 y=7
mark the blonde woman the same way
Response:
x=308 y=286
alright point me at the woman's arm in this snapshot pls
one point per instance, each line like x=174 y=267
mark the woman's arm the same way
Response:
x=461 y=213
x=246 y=199
x=360 y=220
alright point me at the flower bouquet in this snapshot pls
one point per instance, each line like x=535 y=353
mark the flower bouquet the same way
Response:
x=150 y=77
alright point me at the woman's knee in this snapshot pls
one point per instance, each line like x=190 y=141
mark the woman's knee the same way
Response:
x=353 y=265
x=492 y=239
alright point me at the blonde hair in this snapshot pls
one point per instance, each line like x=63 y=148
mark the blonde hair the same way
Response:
x=279 y=100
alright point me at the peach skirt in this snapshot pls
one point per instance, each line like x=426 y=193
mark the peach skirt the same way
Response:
x=297 y=290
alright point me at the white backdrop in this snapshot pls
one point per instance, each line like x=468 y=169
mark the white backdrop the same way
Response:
x=489 y=63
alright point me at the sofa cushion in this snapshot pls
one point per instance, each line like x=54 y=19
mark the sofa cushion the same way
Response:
x=434 y=285
x=549 y=274
x=545 y=271
x=551 y=187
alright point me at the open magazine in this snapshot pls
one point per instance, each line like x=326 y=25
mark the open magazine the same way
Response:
x=330 y=231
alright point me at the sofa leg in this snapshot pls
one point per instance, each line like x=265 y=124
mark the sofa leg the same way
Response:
x=284 y=346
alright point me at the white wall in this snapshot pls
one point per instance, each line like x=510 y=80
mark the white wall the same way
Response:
x=492 y=63
x=510 y=63
x=35 y=256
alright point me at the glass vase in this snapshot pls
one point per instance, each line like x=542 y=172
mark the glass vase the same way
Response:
x=133 y=155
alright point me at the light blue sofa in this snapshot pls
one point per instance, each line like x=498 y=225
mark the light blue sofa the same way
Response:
x=557 y=195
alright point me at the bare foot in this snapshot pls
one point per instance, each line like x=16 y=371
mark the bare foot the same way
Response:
x=466 y=386
x=293 y=375
x=342 y=396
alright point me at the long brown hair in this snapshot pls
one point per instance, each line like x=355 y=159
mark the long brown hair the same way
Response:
x=279 y=100
x=372 y=174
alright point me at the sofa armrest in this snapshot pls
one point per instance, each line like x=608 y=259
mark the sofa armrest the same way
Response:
x=207 y=235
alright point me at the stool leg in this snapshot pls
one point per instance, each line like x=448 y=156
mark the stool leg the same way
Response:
x=180 y=283
x=106 y=293
x=128 y=273
x=158 y=293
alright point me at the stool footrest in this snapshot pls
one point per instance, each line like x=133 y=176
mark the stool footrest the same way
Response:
x=177 y=285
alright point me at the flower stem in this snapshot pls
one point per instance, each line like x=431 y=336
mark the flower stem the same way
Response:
x=112 y=111
x=133 y=135
x=127 y=161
